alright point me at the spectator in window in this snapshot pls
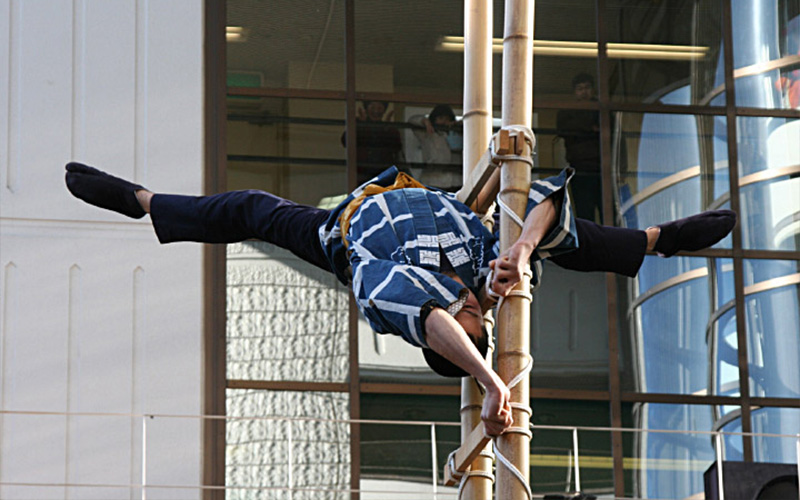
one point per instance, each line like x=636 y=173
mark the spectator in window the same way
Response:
x=580 y=129
x=378 y=144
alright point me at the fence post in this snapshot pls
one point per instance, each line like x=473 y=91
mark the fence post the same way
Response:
x=144 y=457
x=720 y=482
x=435 y=466
x=289 y=458
x=577 y=463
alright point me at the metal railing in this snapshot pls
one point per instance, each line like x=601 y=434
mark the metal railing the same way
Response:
x=436 y=491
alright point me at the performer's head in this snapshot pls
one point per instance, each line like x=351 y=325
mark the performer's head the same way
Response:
x=469 y=315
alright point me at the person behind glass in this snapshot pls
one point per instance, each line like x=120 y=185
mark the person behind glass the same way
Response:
x=440 y=145
x=421 y=264
x=378 y=144
x=580 y=129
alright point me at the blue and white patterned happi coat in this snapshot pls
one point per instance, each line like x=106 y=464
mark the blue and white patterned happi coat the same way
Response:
x=394 y=239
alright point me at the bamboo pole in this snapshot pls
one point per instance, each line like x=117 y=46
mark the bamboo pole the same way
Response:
x=514 y=315
x=477 y=134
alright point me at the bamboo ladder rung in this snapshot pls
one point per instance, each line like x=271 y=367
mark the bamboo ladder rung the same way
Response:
x=467 y=453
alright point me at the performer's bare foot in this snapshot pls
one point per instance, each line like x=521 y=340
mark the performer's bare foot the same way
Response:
x=691 y=233
x=106 y=191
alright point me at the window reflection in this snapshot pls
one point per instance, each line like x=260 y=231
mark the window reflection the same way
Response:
x=766 y=43
x=668 y=465
x=776 y=421
x=769 y=176
x=667 y=325
x=678 y=341
x=669 y=166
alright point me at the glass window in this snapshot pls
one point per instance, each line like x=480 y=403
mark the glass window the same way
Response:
x=669 y=465
x=406 y=47
x=769 y=179
x=571 y=137
x=667 y=339
x=773 y=320
x=666 y=52
x=668 y=166
x=766 y=50
x=297 y=44
x=721 y=335
x=266 y=448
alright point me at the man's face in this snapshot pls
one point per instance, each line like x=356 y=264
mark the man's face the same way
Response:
x=443 y=121
x=375 y=111
x=584 y=91
x=470 y=317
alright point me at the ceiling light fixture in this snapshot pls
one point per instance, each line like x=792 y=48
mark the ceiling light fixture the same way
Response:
x=236 y=33
x=589 y=49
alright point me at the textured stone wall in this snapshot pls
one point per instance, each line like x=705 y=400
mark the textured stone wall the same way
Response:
x=287 y=321
x=258 y=451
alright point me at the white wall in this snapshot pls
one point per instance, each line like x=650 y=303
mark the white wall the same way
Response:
x=95 y=316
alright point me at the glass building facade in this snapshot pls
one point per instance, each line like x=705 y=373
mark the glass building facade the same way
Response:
x=665 y=109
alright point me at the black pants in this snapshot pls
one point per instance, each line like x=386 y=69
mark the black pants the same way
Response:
x=241 y=215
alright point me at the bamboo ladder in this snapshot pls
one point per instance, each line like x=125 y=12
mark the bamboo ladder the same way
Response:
x=480 y=188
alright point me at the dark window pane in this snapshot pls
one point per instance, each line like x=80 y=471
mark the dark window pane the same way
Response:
x=292 y=148
x=399 y=47
x=667 y=52
x=298 y=44
x=564 y=51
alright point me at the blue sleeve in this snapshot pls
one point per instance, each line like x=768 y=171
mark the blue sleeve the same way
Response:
x=391 y=296
x=564 y=236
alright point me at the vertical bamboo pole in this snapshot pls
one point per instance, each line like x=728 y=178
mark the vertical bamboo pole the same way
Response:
x=514 y=315
x=477 y=134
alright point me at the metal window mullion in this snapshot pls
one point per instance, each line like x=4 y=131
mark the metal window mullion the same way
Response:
x=614 y=382
x=738 y=262
x=350 y=128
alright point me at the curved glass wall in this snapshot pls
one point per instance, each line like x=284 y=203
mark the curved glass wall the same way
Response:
x=769 y=179
x=772 y=309
x=766 y=51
